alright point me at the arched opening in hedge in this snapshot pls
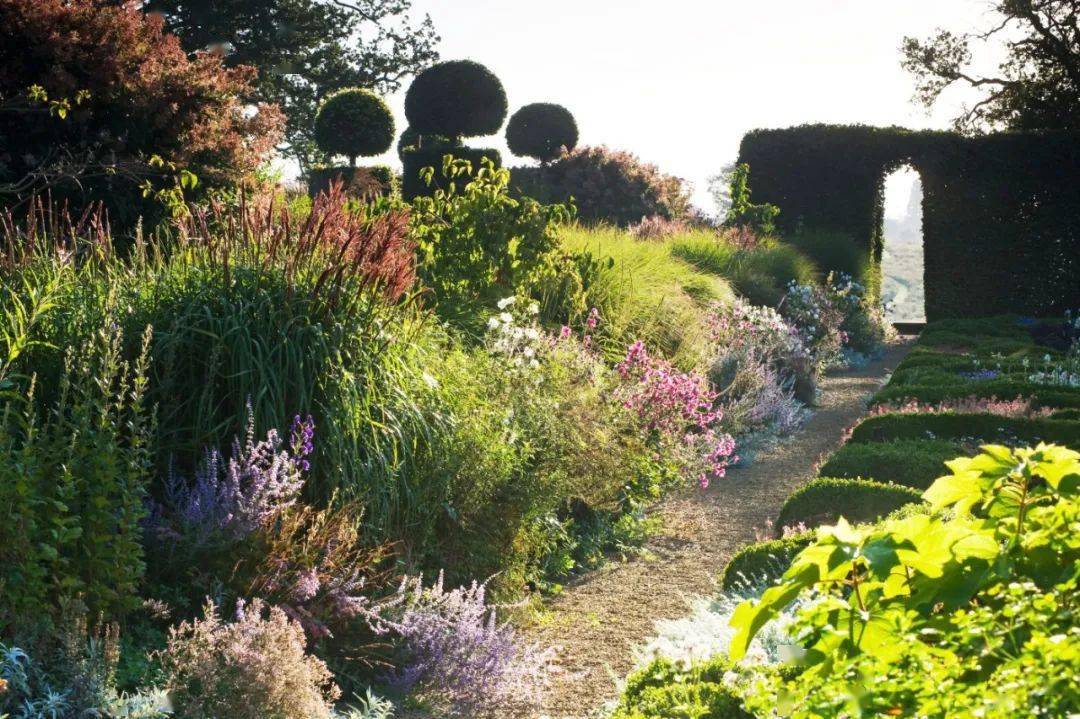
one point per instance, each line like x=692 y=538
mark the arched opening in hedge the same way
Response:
x=1001 y=213
x=902 y=271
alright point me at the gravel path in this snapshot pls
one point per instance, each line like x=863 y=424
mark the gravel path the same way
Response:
x=599 y=618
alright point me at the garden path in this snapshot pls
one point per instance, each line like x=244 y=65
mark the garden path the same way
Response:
x=600 y=617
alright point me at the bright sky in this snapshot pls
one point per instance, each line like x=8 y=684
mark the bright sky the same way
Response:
x=678 y=82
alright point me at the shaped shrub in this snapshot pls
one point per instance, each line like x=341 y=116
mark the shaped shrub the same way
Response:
x=354 y=123
x=957 y=426
x=542 y=131
x=663 y=689
x=909 y=462
x=455 y=99
x=825 y=500
x=761 y=563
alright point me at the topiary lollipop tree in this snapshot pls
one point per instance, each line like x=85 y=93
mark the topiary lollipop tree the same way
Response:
x=354 y=123
x=541 y=131
x=445 y=103
x=456 y=99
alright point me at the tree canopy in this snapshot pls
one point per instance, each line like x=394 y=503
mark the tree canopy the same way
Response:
x=305 y=50
x=1035 y=87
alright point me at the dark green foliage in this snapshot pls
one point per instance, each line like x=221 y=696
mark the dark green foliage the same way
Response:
x=987 y=427
x=761 y=273
x=354 y=123
x=914 y=463
x=417 y=159
x=834 y=251
x=358 y=182
x=825 y=500
x=761 y=562
x=541 y=130
x=663 y=690
x=1001 y=212
x=458 y=98
x=760 y=219
x=73 y=483
x=411 y=139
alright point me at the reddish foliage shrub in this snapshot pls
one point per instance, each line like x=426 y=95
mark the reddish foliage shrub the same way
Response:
x=143 y=97
x=607 y=186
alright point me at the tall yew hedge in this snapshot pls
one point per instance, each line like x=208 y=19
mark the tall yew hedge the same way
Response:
x=1001 y=212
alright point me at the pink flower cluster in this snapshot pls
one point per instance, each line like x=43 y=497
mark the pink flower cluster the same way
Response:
x=1019 y=408
x=678 y=407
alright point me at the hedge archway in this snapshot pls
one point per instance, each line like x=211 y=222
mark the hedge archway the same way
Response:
x=1001 y=212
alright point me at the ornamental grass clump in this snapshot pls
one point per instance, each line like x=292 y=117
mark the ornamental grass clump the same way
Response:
x=455 y=651
x=253 y=667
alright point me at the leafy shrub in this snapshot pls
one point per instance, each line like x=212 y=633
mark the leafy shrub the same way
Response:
x=254 y=666
x=606 y=186
x=982 y=582
x=418 y=182
x=457 y=653
x=73 y=485
x=833 y=252
x=761 y=563
x=824 y=500
x=139 y=95
x=542 y=131
x=355 y=123
x=760 y=219
x=957 y=426
x=912 y=463
x=457 y=98
x=476 y=241
x=663 y=689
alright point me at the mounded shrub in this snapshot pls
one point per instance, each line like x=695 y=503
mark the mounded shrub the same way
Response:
x=415 y=160
x=825 y=500
x=960 y=425
x=354 y=123
x=762 y=562
x=607 y=186
x=663 y=690
x=457 y=98
x=914 y=463
x=542 y=131
x=359 y=182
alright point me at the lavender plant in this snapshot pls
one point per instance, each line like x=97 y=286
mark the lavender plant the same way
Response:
x=457 y=652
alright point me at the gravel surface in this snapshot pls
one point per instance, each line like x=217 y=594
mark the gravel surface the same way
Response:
x=598 y=619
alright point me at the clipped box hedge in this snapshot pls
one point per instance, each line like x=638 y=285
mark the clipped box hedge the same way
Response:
x=826 y=499
x=762 y=562
x=914 y=463
x=950 y=425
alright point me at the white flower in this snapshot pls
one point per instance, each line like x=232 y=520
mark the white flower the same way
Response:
x=534 y=308
x=430 y=381
x=506 y=317
x=493 y=323
x=506 y=302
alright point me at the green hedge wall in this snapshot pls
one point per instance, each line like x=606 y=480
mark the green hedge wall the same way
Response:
x=1001 y=213
x=416 y=159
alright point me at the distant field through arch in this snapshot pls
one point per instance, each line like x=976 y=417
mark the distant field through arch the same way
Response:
x=902 y=269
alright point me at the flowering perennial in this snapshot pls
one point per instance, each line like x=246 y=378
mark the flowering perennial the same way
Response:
x=679 y=408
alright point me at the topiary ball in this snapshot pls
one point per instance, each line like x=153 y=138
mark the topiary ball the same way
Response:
x=541 y=130
x=354 y=123
x=460 y=98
